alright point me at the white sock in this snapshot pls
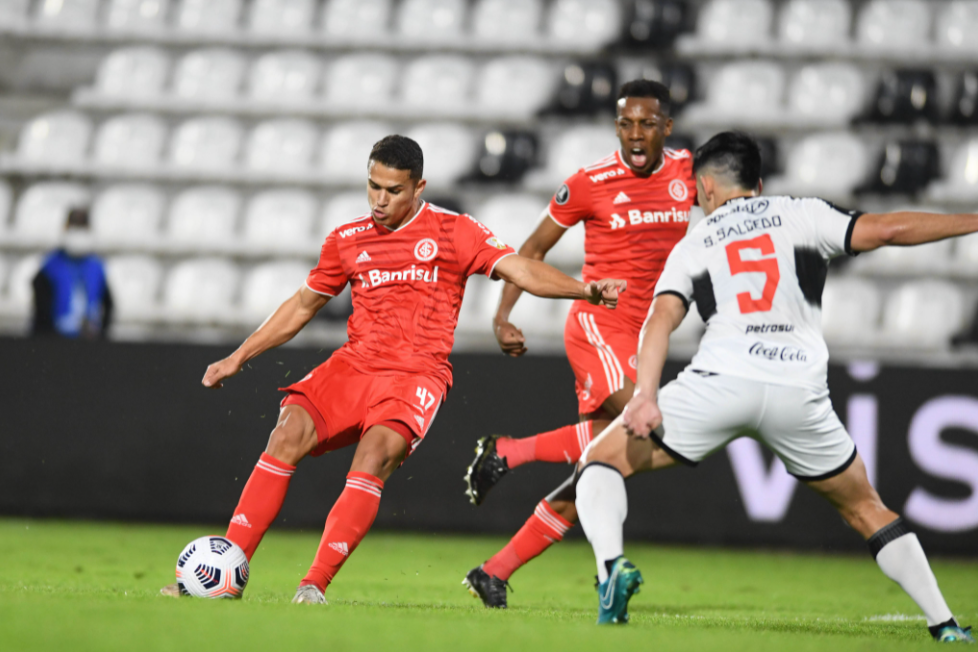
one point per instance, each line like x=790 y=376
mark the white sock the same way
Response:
x=901 y=558
x=602 y=505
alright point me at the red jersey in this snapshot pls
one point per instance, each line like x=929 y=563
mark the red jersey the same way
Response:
x=631 y=223
x=407 y=287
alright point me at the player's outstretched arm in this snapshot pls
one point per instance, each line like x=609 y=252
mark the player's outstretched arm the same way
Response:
x=906 y=228
x=280 y=327
x=545 y=281
x=510 y=338
x=641 y=415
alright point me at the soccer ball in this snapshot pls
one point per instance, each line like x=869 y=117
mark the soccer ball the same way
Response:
x=212 y=567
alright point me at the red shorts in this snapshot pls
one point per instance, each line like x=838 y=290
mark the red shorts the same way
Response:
x=602 y=351
x=344 y=403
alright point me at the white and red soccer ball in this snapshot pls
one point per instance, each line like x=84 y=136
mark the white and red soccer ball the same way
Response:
x=212 y=567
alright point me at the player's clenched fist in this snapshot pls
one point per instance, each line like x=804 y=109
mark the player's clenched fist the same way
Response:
x=641 y=416
x=220 y=371
x=510 y=338
x=605 y=292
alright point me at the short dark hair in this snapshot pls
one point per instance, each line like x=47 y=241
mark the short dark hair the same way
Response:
x=648 y=88
x=400 y=153
x=734 y=154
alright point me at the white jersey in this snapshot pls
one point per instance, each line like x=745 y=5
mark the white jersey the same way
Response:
x=756 y=268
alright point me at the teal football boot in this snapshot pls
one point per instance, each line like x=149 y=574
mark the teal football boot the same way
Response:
x=615 y=592
x=954 y=634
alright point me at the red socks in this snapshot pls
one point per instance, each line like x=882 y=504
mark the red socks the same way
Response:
x=260 y=502
x=545 y=528
x=347 y=524
x=565 y=444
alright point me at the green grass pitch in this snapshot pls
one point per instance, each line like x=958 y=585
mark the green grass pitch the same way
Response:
x=93 y=586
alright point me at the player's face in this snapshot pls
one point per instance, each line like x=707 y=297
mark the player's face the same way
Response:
x=642 y=130
x=393 y=195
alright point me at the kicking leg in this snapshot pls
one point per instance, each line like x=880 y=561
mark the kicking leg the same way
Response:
x=379 y=452
x=895 y=547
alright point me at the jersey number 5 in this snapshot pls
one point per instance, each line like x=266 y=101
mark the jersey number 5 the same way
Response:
x=766 y=266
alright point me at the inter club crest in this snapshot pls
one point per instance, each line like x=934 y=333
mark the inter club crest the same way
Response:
x=678 y=190
x=426 y=250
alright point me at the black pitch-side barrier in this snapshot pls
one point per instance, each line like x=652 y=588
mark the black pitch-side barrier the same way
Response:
x=126 y=432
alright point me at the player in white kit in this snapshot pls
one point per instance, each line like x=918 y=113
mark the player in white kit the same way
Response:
x=755 y=268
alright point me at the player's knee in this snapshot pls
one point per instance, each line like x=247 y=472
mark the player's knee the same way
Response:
x=380 y=453
x=290 y=442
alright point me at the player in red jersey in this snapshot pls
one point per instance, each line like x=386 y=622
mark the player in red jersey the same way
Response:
x=635 y=205
x=407 y=263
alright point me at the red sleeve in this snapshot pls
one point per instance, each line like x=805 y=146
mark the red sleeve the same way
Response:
x=328 y=277
x=572 y=203
x=477 y=248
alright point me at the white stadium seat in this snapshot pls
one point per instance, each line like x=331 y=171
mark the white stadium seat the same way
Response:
x=67 y=15
x=278 y=147
x=281 y=219
x=130 y=141
x=203 y=217
x=931 y=258
x=747 y=88
x=345 y=149
x=6 y=201
x=266 y=286
x=966 y=256
x=850 y=311
x=831 y=163
x=815 y=24
x=512 y=217
x=284 y=18
x=208 y=143
x=963 y=169
x=200 y=289
x=211 y=74
x=516 y=84
x=136 y=15
x=827 y=92
x=43 y=209
x=894 y=24
x=507 y=21
x=13 y=13
x=449 y=150
x=569 y=250
x=587 y=23
x=735 y=22
x=4 y=268
x=431 y=20
x=209 y=16
x=358 y=80
x=135 y=283
x=576 y=148
x=129 y=213
x=923 y=314
x=957 y=24
x=363 y=20
x=133 y=72
x=20 y=282
x=341 y=209
x=59 y=138
x=437 y=81
x=284 y=77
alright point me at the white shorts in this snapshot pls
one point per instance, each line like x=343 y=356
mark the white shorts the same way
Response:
x=702 y=412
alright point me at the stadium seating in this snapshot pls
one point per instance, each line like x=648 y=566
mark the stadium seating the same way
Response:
x=43 y=209
x=431 y=20
x=340 y=209
x=200 y=290
x=20 y=289
x=905 y=96
x=923 y=314
x=281 y=147
x=574 y=148
x=128 y=214
x=568 y=253
x=585 y=88
x=894 y=25
x=208 y=75
x=735 y=22
x=358 y=80
x=209 y=17
x=449 y=151
x=961 y=183
x=514 y=85
x=964 y=110
x=135 y=282
x=588 y=24
x=281 y=18
x=13 y=13
x=67 y=15
x=850 y=311
x=815 y=24
x=512 y=217
x=355 y=20
x=965 y=263
x=506 y=21
x=924 y=260
x=267 y=285
x=957 y=23
x=827 y=92
x=206 y=143
x=343 y=154
x=747 y=88
x=438 y=82
x=905 y=167
x=55 y=139
x=654 y=24
x=130 y=141
x=143 y=16
x=506 y=156
x=281 y=220
x=6 y=202
x=203 y=218
x=290 y=77
x=137 y=72
x=831 y=163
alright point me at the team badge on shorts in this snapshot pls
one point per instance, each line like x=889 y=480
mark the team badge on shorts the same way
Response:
x=563 y=195
x=426 y=250
x=678 y=190
x=633 y=362
x=496 y=242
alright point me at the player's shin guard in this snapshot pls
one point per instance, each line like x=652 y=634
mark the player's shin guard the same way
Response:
x=348 y=522
x=900 y=557
x=602 y=506
x=260 y=503
x=545 y=528
x=561 y=445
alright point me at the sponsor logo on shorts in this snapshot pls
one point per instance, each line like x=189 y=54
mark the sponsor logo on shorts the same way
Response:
x=563 y=195
x=496 y=242
x=426 y=250
x=678 y=190
x=769 y=328
x=782 y=353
